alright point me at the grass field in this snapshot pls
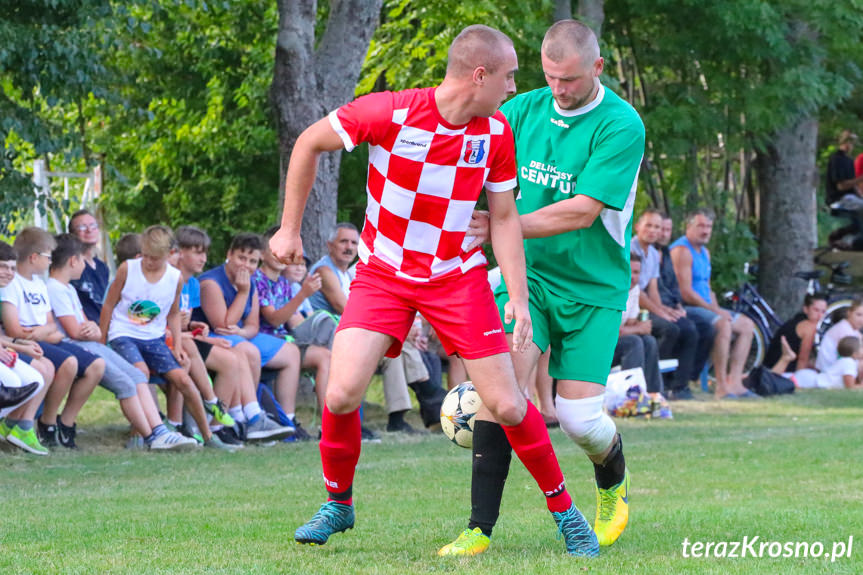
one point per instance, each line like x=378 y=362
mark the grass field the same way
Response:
x=785 y=470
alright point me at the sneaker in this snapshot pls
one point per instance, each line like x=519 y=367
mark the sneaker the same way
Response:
x=262 y=427
x=47 y=434
x=468 y=543
x=612 y=511
x=369 y=436
x=332 y=517
x=403 y=427
x=137 y=443
x=193 y=433
x=4 y=429
x=579 y=537
x=215 y=443
x=26 y=440
x=684 y=394
x=300 y=434
x=219 y=413
x=171 y=440
x=66 y=435
x=229 y=435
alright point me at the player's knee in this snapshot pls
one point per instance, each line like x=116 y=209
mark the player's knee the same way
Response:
x=340 y=400
x=509 y=411
x=744 y=324
x=584 y=421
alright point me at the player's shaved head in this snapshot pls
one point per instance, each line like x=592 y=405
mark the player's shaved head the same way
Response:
x=567 y=38
x=476 y=46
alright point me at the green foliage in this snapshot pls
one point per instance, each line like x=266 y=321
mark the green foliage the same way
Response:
x=53 y=54
x=195 y=144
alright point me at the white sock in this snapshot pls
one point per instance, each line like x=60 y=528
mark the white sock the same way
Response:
x=237 y=413
x=175 y=423
x=251 y=410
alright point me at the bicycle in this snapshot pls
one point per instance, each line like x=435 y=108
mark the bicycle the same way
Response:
x=748 y=301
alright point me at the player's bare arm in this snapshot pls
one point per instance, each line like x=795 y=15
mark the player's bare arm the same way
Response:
x=508 y=246
x=320 y=137
x=560 y=217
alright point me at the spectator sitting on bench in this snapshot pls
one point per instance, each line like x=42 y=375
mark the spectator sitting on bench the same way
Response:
x=139 y=308
x=691 y=260
x=27 y=315
x=233 y=377
x=635 y=346
x=128 y=384
x=230 y=306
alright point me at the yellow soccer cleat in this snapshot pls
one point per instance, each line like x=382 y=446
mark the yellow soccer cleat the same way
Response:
x=612 y=511
x=468 y=543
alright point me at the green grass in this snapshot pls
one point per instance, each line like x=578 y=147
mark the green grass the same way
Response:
x=786 y=469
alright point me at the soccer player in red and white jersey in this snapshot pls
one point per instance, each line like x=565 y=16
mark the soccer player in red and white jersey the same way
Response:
x=431 y=152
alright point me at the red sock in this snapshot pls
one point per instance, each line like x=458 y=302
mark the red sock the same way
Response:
x=341 y=441
x=529 y=440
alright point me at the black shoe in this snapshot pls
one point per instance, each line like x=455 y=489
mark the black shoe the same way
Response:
x=10 y=396
x=229 y=436
x=684 y=394
x=299 y=433
x=369 y=436
x=47 y=434
x=66 y=435
x=403 y=427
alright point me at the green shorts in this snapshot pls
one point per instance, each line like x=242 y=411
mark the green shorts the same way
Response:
x=582 y=337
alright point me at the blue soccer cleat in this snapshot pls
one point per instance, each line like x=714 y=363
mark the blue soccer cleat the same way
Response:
x=580 y=539
x=332 y=517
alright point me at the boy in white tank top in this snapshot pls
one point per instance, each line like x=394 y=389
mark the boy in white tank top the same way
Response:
x=141 y=304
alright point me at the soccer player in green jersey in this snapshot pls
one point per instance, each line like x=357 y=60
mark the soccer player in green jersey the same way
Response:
x=578 y=150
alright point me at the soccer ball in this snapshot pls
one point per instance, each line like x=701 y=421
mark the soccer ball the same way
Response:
x=457 y=412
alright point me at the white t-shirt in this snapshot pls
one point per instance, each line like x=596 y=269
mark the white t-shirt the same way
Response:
x=832 y=378
x=31 y=299
x=64 y=301
x=632 y=308
x=827 y=353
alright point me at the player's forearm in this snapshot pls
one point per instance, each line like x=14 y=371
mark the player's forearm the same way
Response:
x=508 y=246
x=560 y=217
x=302 y=168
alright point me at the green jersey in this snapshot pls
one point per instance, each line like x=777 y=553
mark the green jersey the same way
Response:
x=595 y=150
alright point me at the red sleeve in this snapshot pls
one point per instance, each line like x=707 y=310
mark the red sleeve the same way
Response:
x=858 y=166
x=366 y=119
x=502 y=173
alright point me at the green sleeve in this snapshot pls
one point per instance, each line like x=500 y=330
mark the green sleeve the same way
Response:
x=613 y=167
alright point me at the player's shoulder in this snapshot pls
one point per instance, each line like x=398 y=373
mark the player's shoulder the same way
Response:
x=526 y=101
x=621 y=111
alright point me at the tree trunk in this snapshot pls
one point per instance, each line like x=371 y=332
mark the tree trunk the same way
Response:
x=308 y=83
x=786 y=176
x=592 y=13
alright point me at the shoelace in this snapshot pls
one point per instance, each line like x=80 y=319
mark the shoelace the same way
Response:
x=327 y=513
x=464 y=540
x=608 y=504
x=567 y=515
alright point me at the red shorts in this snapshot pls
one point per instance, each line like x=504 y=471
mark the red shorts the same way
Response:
x=460 y=308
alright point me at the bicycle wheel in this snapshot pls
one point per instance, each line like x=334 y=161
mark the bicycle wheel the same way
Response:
x=836 y=312
x=758 y=349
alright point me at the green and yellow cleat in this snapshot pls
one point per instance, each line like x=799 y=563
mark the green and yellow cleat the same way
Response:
x=612 y=511
x=469 y=542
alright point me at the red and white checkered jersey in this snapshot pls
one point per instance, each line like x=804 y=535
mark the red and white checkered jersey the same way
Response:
x=425 y=176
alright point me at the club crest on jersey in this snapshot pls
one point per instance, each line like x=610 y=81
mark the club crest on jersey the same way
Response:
x=474 y=151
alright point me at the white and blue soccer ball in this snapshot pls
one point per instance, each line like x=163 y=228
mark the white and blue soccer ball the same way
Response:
x=457 y=414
